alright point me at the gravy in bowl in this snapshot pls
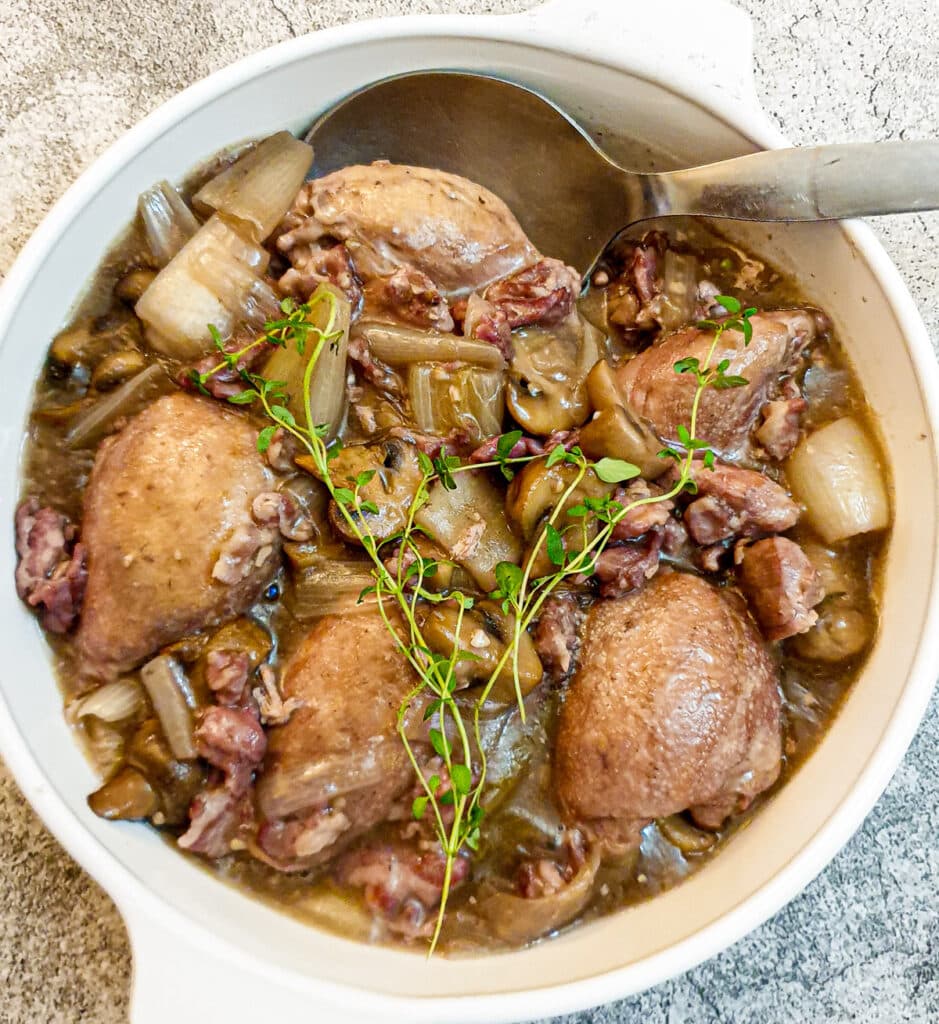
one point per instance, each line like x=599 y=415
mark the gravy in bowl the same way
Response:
x=421 y=592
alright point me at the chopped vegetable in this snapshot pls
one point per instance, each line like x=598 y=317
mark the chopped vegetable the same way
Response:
x=112 y=702
x=126 y=400
x=174 y=703
x=398 y=346
x=835 y=473
x=328 y=586
x=328 y=384
x=474 y=505
x=676 y=304
x=167 y=221
x=259 y=187
x=463 y=398
x=191 y=291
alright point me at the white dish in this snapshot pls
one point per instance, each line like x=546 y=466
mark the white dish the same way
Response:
x=206 y=952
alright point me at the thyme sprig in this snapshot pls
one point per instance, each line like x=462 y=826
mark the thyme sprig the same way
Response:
x=571 y=537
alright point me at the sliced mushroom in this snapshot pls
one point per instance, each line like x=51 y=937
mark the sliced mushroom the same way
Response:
x=468 y=522
x=538 y=488
x=175 y=782
x=484 y=632
x=517 y=920
x=63 y=413
x=397 y=476
x=117 y=367
x=84 y=344
x=73 y=347
x=685 y=836
x=128 y=797
x=546 y=381
x=602 y=389
x=842 y=631
x=133 y=284
x=616 y=431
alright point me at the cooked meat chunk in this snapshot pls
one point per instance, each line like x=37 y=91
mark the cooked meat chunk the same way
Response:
x=643 y=518
x=51 y=571
x=313 y=266
x=166 y=501
x=555 y=634
x=542 y=294
x=339 y=752
x=734 y=502
x=232 y=740
x=288 y=844
x=674 y=706
x=220 y=821
x=782 y=587
x=627 y=567
x=457 y=233
x=226 y=675
x=224 y=383
x=278 y=511
x=631 y=296
x=725 y=416
x=402 y=885
x=409 y=296
x=781 y=427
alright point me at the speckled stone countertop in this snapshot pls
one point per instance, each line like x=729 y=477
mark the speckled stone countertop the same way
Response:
x=862 y=943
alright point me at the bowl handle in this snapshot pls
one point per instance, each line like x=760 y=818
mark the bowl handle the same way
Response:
x=180 y=979
x=702 y=48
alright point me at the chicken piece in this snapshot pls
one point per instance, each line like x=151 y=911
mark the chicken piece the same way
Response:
x=167 y=518
x=725 y=416
x=339 y=754
x=456 y=232
x=782 y=587
x=674 y=706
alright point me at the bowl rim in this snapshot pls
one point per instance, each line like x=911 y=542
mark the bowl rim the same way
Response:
x=136 y=900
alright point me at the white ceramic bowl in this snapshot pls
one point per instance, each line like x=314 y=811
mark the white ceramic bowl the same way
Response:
x=204 y=952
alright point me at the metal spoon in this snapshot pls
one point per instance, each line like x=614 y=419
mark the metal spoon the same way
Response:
x=570 y=197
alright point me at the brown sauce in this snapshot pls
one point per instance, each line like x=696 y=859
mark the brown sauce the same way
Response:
x=524 y=812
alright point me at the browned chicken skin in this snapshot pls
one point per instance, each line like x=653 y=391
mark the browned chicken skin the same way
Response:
x=339 y=754
x=674 y=706
x=456 y=232
x=726 y=416
x=166 y=498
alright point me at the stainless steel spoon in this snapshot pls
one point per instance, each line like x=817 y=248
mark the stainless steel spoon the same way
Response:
x=570 y=197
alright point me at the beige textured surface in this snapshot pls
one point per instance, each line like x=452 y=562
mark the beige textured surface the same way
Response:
x=863 y=943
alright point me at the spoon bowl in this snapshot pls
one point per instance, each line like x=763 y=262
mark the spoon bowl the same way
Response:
x=570 y=197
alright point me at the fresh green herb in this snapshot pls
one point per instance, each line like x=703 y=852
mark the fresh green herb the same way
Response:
x=708 y=376
x=571 y=537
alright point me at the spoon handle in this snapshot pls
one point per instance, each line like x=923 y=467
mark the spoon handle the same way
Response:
x=808 y=183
